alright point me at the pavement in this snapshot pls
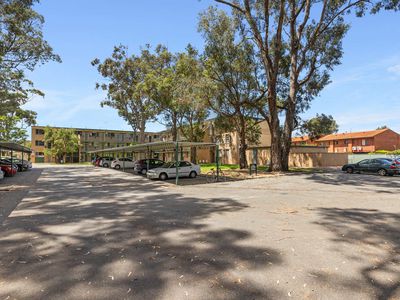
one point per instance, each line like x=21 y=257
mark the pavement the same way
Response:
x=91 y=233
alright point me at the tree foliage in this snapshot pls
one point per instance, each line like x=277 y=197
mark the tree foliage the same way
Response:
x=298 y=42
x=128 y=86
x=231 y=63
x=22 y=48
x=59 y=142
x=319 y=126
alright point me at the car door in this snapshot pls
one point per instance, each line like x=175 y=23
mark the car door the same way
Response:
x=184 y=168
x=363 y=166
x=374 y=165
x=172 y=170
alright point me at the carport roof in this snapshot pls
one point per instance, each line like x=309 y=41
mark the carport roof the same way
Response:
x=154 y=146
x=11 y=146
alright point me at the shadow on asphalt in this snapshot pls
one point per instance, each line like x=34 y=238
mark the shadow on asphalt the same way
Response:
x=390 y=184
x=379 y=234
x=14 y=189
x=111 y=237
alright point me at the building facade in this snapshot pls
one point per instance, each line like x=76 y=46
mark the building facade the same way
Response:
x=361 y=142
x=97 y=139
x=89 y=140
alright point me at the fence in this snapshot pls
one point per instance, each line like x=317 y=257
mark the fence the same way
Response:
x=305 y=160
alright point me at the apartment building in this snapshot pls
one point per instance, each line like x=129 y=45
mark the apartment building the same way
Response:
x=361 y=142
x=96 y=139
x=89 y=140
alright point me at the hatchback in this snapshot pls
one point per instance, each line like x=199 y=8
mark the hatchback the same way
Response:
x=123 y=162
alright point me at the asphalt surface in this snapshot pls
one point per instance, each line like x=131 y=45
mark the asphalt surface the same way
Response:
x=91 y=233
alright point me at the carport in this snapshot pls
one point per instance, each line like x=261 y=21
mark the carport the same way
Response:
x=149 y=149
x=14 y=147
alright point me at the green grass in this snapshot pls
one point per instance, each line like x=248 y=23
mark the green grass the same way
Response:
x=205 y=168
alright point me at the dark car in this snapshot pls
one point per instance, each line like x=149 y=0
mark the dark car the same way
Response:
x=143 y=165
x=22 y=165
x=381 y=166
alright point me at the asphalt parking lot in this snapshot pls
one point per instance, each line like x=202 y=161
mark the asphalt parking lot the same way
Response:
x=92 y=233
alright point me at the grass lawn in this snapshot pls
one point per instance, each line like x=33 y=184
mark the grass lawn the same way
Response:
x=205 y=168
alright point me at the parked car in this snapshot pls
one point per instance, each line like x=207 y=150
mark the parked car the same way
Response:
x=96 y=161
x=395 y=160
x=2 y=174
x=123 y=162
x=8 y=169
x=142 y=164
x=168 y=170
x=7 y=162
x=22 y=165
x=106 y=161
x=381 y=166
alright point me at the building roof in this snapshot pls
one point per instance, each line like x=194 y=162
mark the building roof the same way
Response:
x=155 y=146
x=304 y=138
x=91 y=129
x=352 y=135
x=11 y=146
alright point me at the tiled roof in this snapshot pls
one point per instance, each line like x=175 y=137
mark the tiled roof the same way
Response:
x=300 y=139
x=351 y=135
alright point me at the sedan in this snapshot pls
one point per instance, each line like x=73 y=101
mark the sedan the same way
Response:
x=8 y=169
x=142 y=165
x=123 y=162
x=381 y=166
x=168 y=170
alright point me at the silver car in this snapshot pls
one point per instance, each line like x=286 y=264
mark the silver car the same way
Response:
x=168 y=170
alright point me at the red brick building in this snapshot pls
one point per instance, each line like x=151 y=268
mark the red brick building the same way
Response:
x=361 y=142
x=302 y=140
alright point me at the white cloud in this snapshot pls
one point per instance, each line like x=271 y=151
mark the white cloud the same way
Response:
x=394 y=69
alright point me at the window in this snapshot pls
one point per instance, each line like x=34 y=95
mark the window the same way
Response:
x=363 y=142
x=336 y=142
x=364 y=162
x=39 y=154
x=39 y=143
x=346 y=142
x=184 y=164
x=39 y=131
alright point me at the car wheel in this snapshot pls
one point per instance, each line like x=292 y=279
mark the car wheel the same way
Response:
x=193 y=174
x=349 y=170
x=382 y=172
x=117 y=167
x=143 y=172
x=105 y=165
x=163 y=176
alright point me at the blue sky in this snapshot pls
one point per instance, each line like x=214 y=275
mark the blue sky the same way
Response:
x=364 y=93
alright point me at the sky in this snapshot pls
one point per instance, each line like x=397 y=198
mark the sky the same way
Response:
x=364 y=92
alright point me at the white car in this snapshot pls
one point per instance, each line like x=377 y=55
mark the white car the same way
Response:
x=105 y=162
x=168 y=170
x=123 y=162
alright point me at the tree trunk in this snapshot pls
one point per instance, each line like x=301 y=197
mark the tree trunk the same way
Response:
x=193 y=155
x=174 y=126
x=275 y=130
x=242 y=145
x=142 y=130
